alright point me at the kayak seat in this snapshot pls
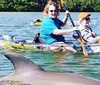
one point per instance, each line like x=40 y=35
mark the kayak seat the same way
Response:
x=76 y=36
x=7 y=37
x=37 y=39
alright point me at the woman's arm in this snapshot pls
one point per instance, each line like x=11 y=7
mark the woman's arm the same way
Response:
x=63 y=32
x=65 y=18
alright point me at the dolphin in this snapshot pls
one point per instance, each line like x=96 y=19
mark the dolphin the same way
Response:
x=28 y=73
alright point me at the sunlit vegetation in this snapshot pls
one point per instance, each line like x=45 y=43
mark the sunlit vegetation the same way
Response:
x=38 y=5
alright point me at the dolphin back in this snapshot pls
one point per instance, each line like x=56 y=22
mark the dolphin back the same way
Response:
x=22 y=64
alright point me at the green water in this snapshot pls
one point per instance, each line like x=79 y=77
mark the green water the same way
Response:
x=57 y=62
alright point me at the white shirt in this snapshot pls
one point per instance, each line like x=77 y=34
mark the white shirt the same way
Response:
x=86 y=33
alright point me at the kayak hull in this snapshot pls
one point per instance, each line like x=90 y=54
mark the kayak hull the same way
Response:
x=28 y=45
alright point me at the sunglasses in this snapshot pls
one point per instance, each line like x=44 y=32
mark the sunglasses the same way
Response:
x=53 y=10
x=87 y=19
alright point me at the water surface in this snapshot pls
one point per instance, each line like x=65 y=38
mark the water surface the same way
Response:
x=18 y=24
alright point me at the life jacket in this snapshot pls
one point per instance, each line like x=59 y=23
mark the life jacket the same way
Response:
x=92 y=33
x=87 y=33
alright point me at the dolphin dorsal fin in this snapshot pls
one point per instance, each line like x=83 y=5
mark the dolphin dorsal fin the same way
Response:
x=22 y=64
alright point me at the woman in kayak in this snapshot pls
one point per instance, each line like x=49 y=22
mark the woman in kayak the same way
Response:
x=51 y=31
x=87 y=34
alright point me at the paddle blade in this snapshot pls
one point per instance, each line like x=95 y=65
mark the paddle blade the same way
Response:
x=83 y=47
x=62 y=2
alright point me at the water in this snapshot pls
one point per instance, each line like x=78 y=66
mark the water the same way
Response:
x=18 y=24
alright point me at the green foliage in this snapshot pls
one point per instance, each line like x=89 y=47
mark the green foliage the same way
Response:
x=5 y=5
x=83 y=5
x=38 y=5
x=96 y=6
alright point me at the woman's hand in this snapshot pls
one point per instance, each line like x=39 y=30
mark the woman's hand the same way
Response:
x=67 y=12
x=65 y=18
x=74 y=28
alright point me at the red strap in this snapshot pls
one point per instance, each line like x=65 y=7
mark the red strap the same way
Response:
x=93 y=35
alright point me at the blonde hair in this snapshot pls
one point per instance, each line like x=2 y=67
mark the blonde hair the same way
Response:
x=46 y=8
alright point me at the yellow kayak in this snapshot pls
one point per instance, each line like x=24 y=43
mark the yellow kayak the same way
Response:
x=11 y=42
x=37 y=22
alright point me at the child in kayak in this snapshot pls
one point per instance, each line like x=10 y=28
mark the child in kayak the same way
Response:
x=86 y=32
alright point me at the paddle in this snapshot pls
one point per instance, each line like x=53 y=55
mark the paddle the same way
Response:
x=80 y=38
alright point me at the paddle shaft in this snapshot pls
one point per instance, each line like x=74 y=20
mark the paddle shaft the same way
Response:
x=80 y=38
x=71 y=20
